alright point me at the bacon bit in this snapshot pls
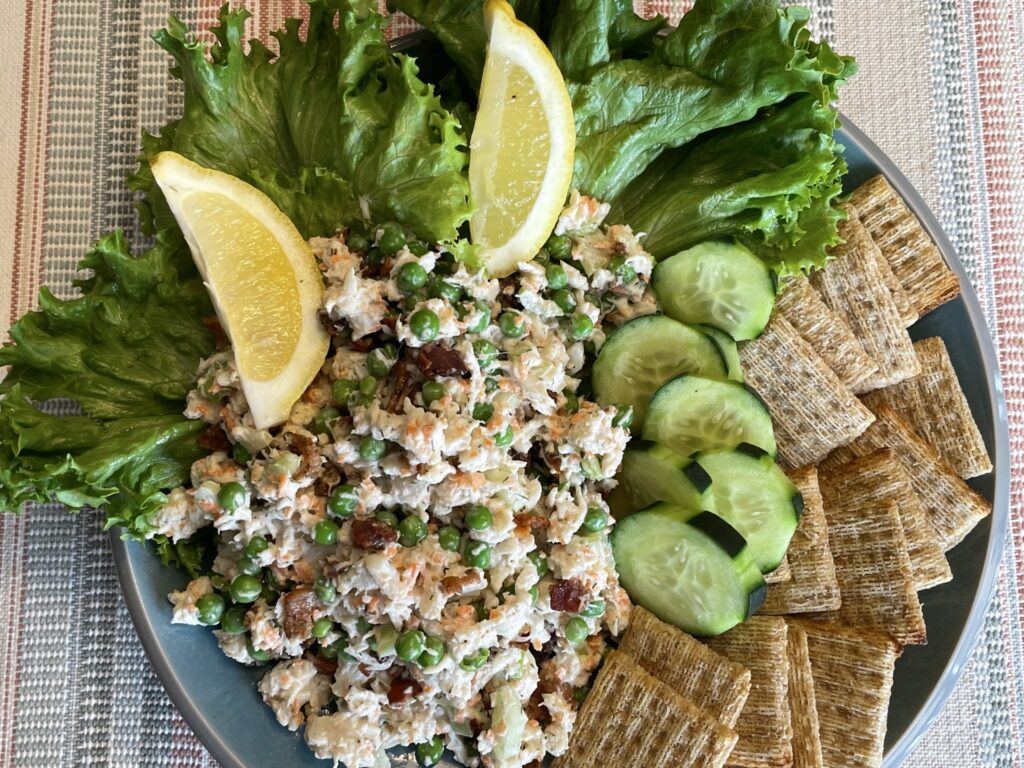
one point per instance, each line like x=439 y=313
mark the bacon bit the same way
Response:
x=324 y=666
x=220 y=338
x=307 y=451
x=326 y=481
x=299 y=606
x=213 y=439
x=365 y=344
x=372 y=534
x=402 y=689
x=333 y=328
x=526 y=521
x=389 y=321
x=399 y=385
x=436 y=360
x=462 y=583
x=567 y=595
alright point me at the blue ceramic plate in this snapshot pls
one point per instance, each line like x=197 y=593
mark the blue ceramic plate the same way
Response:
x=219 y=700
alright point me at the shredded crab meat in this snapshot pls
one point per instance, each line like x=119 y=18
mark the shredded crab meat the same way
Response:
x=424 y=490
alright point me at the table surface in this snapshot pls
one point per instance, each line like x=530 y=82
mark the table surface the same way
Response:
x=940 y=90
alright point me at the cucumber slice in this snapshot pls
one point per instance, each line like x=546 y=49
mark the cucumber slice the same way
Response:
x=689 y=569
x=717 y=283
x=695 y=413
x=643 y=354
x=754 y=496
x=728 y=349
x=652 y=472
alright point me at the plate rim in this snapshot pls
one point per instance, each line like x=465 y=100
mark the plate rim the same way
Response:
x=967 y=642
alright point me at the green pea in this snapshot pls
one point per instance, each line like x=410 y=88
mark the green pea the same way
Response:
x=368 y=385
x=210 y=608
x=565 y=300
x=595 y=520
x=623 y=416
x=343 y=501
x=478 y=554
x=324 y=589
x=555 y=274
x=231 y=496
x=371 y=449
x=248 y=566
x=364 y=401
x=256 y=654
x=362 y=625
x=245 y=588
x=269 y=595
x=572 y=402
x=623 y=271
x=380 y=361
x=442 y=289
x=343 y=390
x=504 y=437
x=478 y=518
x=490 y=384
x=325 y=532
x=483 y=319
x=429 y=753
x=432 y=390
x=387 y=516
x=512 y=324
x=594 y=609
x=410 y=645
x=559 y=246
x=357 y=243
x=275 y=583
x=233 y=620
x=325 y=419
x=411 y=276
x=411 y=531
x=579 y=694
x=483 y=411
x=321 y=627
x=581 y=326
x=241 y=454
x=424 y=324
x=418 y=248
x=540 y=562
x=392 y=238
x=330 y=651
x=414 y=299
x=285 y=464
x=576 y=630
x=449 y=538
x=475 y=660
x=486 y=353
x=433 y=652
x=374 y=257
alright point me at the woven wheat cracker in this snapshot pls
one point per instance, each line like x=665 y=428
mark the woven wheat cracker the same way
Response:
x=812 y=586
x=826 y=331
x=782 y=573
x=802 y=706
x=853 y=286
x=811 y=409
x=632 y=718
x=711 y=681
x=905 y=305
x=935 y=406
x=879 y=476
x=765 y=734
x=873 y=567
x=952 y=506
x=852 y=671
x=915 y=260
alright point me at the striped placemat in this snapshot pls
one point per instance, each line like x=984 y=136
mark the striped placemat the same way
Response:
x=940 y=89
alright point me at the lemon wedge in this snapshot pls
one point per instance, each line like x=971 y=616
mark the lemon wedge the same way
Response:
x=262 y=276
x=521 y=151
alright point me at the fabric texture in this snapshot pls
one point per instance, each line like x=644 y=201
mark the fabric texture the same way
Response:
x=940 y=90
